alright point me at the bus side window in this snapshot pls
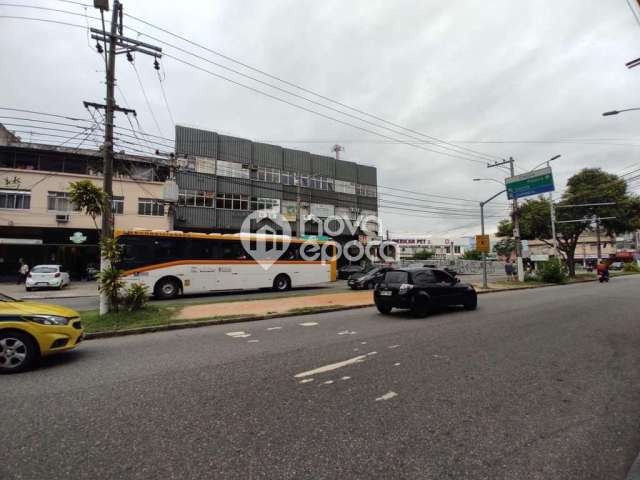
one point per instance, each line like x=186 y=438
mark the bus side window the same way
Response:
x=232 y=250
x=293 y=252
x=201 y=249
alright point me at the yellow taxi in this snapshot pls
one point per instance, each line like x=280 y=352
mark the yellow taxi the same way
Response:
x=30 y=330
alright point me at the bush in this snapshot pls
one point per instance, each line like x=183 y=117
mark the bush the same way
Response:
x=631 y=267
x=136 y=297
x=553 y=272
x=110 y=284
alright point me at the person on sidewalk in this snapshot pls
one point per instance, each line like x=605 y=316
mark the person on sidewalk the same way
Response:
x=508 y=269
x=23 y=271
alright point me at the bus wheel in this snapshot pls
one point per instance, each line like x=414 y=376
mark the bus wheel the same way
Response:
x=282 y=283
x=166 y=288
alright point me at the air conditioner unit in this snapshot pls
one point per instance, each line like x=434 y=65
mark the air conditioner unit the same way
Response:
x=62 y=218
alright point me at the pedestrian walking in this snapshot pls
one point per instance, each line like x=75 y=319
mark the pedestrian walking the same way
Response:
x=23 y=271
x=508 y=269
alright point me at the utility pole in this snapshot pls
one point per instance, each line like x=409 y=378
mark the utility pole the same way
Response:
x=599 y=245
x=117 y=44
x=485 y=284
x=516 y=223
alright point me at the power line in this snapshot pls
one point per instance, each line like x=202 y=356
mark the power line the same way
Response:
x=481 y=155
x=164 y=94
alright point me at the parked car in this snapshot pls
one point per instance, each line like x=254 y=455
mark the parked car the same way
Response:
x=422 y=290
x=91 y=272
x=368 y=280
x=31 y=330
x=345 y=272
x=616 y=266
x=47 y=276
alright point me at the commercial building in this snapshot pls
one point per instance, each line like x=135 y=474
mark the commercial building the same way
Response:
x=410 y=244
x=38 y=222
x=222 y=179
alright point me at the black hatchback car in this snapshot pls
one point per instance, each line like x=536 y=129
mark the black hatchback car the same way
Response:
x=422 y=290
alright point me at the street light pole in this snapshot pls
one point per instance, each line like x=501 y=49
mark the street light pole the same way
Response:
x=484 y=255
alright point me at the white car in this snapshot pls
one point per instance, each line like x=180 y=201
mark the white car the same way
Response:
x=47 y=276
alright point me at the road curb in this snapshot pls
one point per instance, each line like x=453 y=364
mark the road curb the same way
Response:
x=70 y=295
x=250 y=318
x=634 y=471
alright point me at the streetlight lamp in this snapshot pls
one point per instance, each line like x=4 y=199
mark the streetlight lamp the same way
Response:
x=487 y=180
x=616 y=112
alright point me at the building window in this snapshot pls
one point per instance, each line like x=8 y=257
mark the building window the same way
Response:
x=270 y=204
x=60 y=202
x=149 y=206
x=20 y=199
x=366 y=190
x=286 y=178
x=345 y=187
x=263 y=174
x=196 y=198
x=232 y=169
x=232 y=201
x=117 y=205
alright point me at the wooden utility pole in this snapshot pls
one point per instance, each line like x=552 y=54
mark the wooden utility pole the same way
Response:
x=117 y=44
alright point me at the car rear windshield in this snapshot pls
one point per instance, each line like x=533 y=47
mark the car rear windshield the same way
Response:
x=44 y=270
x=397 y=277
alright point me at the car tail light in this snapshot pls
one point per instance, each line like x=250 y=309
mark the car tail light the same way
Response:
x=57 y=274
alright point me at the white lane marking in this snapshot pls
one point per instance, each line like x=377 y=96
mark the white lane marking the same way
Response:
x=328 y=382
x=253 y=341
x=308 y=324
x=331 y=366
x=363 y=343
x=347 y=332
x=274 y=328
x=387 y=396
x=238 y=334
x=345 y=378
x=396 y=364
x=306 y=380
x=441 y=356
x=372 y=353
x=356 y=349
x=393 y=346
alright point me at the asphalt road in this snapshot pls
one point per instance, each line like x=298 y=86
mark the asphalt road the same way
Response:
x=536 y=384
x=92 y=302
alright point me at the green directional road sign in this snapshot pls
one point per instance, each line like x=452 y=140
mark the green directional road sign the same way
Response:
x=530 y=183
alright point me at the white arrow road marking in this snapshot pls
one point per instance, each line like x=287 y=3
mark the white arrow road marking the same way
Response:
x=308 y=324
x=274 y=328
x=239 y=334
x=331 y=366
x=387 y=396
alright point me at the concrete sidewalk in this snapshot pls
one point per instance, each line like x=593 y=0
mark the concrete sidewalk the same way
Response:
x=75 y=289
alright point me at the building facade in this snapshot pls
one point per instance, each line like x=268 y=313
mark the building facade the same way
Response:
x=39 y=224
x=410 y=244
x=223 y=179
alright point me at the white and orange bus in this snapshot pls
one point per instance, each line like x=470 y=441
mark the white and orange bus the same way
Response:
x=171 y=263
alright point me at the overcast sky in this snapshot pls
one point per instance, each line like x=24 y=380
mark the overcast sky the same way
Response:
x=461 y=71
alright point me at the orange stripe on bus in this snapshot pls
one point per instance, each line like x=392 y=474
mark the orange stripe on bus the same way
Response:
x=218 y=262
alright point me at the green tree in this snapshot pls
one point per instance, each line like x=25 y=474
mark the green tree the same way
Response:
x=591 y=185
x=506 y=246
x=472 y=255
x=423 y=254
x=89 y=198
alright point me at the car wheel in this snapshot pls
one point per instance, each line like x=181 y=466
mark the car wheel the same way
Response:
x=18 y=352
x=471 y=304
x=384 y=309
x=166 y=288
x=281 y=283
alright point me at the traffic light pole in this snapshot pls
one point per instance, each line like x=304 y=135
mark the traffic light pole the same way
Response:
x=485 y=283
